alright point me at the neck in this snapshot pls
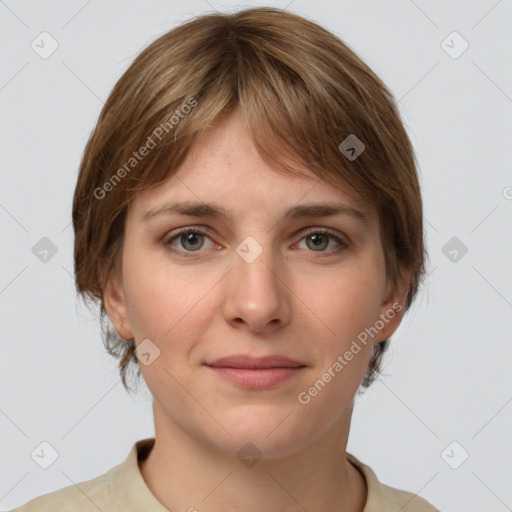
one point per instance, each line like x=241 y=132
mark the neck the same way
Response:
x=186 y=474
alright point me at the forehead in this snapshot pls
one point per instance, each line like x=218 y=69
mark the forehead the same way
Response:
x=224 y=168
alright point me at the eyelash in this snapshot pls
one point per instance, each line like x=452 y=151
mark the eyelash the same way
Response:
x=343 y=244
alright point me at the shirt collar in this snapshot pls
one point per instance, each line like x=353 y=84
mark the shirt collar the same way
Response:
x=378 y=495
x=127 y=486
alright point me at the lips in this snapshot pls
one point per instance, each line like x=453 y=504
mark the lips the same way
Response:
x=256 y=373
x=255 y=363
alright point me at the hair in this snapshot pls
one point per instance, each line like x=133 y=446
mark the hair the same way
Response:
x=302 y=91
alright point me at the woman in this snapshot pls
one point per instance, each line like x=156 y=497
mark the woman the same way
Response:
x=249 y=218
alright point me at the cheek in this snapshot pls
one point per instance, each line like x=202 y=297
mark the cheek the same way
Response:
x=349 y=305
x=346 y=304
x=161 y=300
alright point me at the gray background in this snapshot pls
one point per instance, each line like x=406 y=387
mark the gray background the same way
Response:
x=448 y=374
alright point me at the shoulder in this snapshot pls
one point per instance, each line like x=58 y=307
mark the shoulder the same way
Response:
x=385 y=497
x=88 y=496
x=408 y=502
x=120 y=488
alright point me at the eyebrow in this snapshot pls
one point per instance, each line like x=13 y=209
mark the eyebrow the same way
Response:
x=193 y=209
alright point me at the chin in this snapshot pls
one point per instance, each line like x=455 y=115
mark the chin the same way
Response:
x=270 y=431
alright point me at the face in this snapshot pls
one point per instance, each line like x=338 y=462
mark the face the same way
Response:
x=255 y=282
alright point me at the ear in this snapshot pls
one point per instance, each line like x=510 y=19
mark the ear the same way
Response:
x=392 y=307
x=115 y=304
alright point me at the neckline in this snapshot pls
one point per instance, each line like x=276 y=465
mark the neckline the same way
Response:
x=131 y=492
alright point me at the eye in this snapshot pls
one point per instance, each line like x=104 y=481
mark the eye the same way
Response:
x=317 y=240
x=191 y=239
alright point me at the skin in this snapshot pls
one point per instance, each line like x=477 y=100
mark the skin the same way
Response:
x=296 y=299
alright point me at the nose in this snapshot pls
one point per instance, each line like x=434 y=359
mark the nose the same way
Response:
x=256 y=292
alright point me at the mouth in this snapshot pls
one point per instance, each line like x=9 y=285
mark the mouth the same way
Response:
x=256 y=372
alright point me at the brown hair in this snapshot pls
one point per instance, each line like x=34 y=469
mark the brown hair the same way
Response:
x=302 y=91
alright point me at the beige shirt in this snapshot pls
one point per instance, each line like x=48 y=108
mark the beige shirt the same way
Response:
x=123 y=489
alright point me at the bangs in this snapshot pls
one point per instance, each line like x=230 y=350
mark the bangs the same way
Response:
x=296 y=111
